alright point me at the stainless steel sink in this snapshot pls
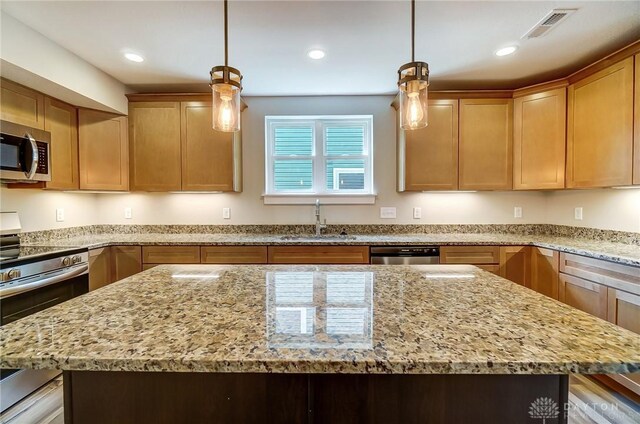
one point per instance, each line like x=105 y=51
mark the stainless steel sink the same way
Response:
x=319 y=238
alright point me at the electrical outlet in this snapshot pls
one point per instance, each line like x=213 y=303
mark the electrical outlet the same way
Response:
x=226 y=213
x=127 y=213
x=59 y=215
x=417 y=213
x=577 y=214
x=388 y=213
x=517 y=211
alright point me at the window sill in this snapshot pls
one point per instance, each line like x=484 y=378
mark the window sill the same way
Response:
x=327 y=199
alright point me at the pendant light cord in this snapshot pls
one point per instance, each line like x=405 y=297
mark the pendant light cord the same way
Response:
x=226 y=36
x=413 y=29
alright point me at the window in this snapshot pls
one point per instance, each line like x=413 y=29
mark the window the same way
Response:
x=319 y=156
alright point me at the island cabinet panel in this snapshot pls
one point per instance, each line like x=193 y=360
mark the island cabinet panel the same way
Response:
x=600 y=128
x=171 y=254
x=544 y=271
x=318 y=254
x=234 y=254
x=636 y=123
x=126 y=261
x=539 y=140
x=99 y=268
x=21 y=105
x=515 y=264
x=585 y=295
x=210 y=158
x=471 y=255
x=486 y=144
x=61 y=120
x=603 y=272
x=429 y=155
x=154 y=131
x=103 y=151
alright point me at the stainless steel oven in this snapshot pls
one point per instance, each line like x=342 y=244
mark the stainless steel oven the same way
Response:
x=24 y=153
x=405 y=255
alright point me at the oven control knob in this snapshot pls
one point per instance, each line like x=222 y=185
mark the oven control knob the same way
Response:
x=13 y=273
x=66 y=261
x=76 y=259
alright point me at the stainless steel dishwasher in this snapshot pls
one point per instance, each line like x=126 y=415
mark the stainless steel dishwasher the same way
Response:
x=405 y=255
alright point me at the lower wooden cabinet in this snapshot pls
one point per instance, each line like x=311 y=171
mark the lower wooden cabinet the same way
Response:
x=234 y=254
x=544 y=271
x=471 y=255
x=171 y=254
x=126 y=261
x=318 y=254
x=99 y=268
x=495 y=269
x=515 y=264
x=582 y=294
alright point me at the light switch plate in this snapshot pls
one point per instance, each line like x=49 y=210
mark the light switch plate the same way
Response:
x=417 y=213
x=226 y=213
x=128 y=214
x=59 y=215
x=387 y=213
x=577 y=214
x=517 y=211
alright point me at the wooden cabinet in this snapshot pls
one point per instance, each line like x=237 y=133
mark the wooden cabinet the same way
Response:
x=624 y=309
x=544 y=271
x=582 y=294
x=600 y=128
x=611 y=274
x=155 y=146
x=318 y=254
x=61 y=120
x=472 y=255
x=494 y=269
x=126 y=261
x=539 y=140
x=515 y=264
x=171 y=254
x=103 y=147
x=486 y=143
x=233 y=254
x=636 y=123
x=99 y=268
x=428 y=157
x=211 y=160
x=21 y=105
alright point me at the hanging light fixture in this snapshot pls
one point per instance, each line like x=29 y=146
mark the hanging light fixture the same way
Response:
x=413 y=81
x=226 y=85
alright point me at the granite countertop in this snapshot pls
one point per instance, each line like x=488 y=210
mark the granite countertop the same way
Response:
x=628 y=254
x=318 y=319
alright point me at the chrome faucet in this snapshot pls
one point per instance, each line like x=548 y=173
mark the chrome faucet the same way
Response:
x=319 y=226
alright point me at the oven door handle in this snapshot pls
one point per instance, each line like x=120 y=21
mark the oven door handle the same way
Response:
x=12 y=291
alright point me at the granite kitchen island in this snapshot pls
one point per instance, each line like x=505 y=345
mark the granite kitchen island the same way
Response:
x=200 y=343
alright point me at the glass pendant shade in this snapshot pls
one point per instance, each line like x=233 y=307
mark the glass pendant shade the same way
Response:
x=225 y=89
x=414 y=103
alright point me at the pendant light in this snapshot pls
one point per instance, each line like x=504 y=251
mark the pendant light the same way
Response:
x=413 y=81
x=226 y=85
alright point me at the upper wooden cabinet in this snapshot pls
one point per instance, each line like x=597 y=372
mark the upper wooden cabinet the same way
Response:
x=539 y=140
x=21 y=105
x=211 y=160
x=600 y=128
x=155 y=146
x=636 y=124
x=428 y=157
x=486 y=142
x=104 y=156
x=61 y=120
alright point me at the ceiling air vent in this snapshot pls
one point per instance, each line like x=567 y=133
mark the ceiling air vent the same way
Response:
x=551 y=20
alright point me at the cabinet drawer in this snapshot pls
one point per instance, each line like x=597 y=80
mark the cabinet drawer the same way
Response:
x=611 y=274
x=171 y=254
x=234 y=254
x=469 y=255
x=319 y=254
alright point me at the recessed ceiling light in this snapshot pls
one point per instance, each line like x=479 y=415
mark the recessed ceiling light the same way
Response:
x=316 y=54
x=506 y=51
x=134 y=57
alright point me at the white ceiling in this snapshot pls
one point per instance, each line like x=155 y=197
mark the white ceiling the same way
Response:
x=365 y=41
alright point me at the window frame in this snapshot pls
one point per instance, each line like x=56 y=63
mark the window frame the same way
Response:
x=319 y=157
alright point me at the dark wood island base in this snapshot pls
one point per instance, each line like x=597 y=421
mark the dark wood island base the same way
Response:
x=98 y=397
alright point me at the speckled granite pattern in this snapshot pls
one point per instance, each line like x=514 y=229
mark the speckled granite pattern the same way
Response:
x=421 y=319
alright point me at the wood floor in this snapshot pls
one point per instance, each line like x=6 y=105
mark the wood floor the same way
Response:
x=590 y=403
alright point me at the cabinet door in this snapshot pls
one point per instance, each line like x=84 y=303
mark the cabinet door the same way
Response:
x=318 y=254
x=544 y=271
x=99 y=268
x=515 y=264
x=584 y=295
x=539 y=140
x=209 y=157
x=636 y=124
x=624 y=309
x=486 y=143
x=430 y=155
x=61 y=120
x=155 y=146
x=104 y=155
x=600 y=128
x=21 y=105
x=126 y=261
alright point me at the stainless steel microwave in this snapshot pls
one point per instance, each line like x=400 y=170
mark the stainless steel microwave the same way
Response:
x=25 y=153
